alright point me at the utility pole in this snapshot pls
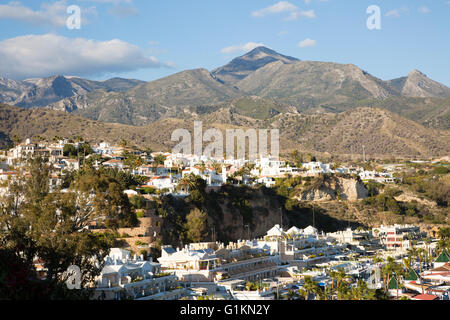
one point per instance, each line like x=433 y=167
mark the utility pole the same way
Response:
x=364 y=152
x=314 y=218
x=248 y=231
x=281 y=217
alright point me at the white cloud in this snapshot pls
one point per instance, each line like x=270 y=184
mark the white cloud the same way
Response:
x=424 y=9
x=284 y=7
x=393 y=13
x=396 y=13
x=110 y=1
x=49 y=54
x=307 y=43
x=242 y=47
x=297 y=14
x=54 y=14
x=124 y=11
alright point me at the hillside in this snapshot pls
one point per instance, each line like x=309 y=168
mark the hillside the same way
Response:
x=29 y=123
x=382 y=132
x=430 y=112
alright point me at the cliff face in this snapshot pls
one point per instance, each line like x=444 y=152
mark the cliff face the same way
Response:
x=353 y=189
x=242 y=212
x=322 y=194
x=339 y=188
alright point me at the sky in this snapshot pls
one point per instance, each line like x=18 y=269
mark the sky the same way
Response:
x=149 y=39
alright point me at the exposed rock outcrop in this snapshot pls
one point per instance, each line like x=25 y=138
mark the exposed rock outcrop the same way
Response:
x=336 y=188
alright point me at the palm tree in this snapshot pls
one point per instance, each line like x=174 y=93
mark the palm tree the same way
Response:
x=202 y=166
x=333 y=276
x=407 y=263
x=364 y=292
x=387 y=271
x=412 y=253
x=123 y=143
x=309 y=286
x=340 y=276
x=216 y=166
x=392 y=268
x=189 y=181
x=343 y=293
x=427 y=245
x=303 y=292
x=444 y=239
x=420 y=252
x=377 y=259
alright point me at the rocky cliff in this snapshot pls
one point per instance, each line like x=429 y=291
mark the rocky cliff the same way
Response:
x=335 y=189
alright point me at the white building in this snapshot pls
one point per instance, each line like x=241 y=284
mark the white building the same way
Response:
x=314 y=168
x=123 y=277
x=208 y=174
x=381 y=177
x=397 y=237
x=163 y=182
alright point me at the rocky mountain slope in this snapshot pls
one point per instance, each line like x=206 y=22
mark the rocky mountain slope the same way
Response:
x=309 y=86
x=150 y=101
x=382 y=132
x=309 y=83
x=417 y=84
x=41 y=92
x=261 y=88
x=242 y=66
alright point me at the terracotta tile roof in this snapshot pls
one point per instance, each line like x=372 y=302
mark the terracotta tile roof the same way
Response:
x=425 y=297
x=113 y=161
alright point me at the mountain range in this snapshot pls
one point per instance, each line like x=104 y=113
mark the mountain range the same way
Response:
x=382 y=132
x=41 y=92
x=261 y=88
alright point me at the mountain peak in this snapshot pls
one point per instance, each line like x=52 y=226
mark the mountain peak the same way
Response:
x=261 y=49
x=416 y=72
x=242 y=66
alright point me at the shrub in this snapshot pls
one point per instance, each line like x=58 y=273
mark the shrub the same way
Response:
x=140 y=214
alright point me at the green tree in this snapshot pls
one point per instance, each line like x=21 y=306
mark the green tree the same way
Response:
x=196 y=225
x=51 y=226
x=159 y=159
x=132 y=160
x=69 y=150
x=309 y=286
x=444 y=238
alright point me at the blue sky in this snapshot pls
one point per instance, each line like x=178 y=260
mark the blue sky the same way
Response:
x=149 y=39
